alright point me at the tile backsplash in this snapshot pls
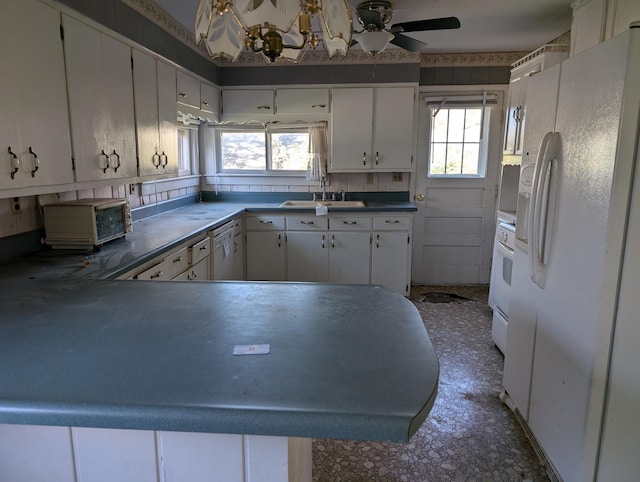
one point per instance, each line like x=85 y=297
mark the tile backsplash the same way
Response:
x=22 y=214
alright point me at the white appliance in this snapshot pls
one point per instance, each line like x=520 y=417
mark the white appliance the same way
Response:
x=500 y=286
x=582 y=138
x=86 y=223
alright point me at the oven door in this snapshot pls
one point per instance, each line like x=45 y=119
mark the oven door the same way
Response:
x=501 y=278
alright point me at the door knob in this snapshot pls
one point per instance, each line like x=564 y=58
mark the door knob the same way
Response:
x=420 y=197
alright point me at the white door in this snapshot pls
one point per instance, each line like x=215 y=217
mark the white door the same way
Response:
x=455 y=222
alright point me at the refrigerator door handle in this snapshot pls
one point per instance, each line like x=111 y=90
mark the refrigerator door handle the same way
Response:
x=541 y=196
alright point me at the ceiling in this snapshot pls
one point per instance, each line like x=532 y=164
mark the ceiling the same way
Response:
x=486 y=25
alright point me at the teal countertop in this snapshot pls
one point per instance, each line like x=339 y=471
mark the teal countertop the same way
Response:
x=80 y=349
x=151 y=236
x=344 y=361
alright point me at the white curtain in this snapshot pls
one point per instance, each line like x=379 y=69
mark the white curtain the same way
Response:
x=318 y=152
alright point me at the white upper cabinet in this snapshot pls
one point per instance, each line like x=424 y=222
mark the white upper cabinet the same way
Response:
x=372 y=129
x=188 y=90
x=101 y=103
x=35 y=147
x=209 y=99
x=285 y=103
x=517 y=104
x=302 y=101
x=156 y=131
x=247 y=103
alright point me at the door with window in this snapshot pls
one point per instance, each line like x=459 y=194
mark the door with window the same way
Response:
x=459 y=152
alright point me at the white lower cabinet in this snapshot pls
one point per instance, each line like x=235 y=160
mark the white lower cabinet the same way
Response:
x=391 y=253
x=307 y=256
x=30 y=453
x=266 y=248
x=349 y=257
x=190 y=261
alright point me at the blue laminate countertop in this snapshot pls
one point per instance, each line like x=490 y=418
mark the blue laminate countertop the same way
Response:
x=345 y=361
x=151 y=236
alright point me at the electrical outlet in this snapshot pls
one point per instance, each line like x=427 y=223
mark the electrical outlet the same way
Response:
x=396 y=177
x=132 y=188
x=15 y=205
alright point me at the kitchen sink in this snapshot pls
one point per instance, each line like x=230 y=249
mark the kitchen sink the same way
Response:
x=332 y=204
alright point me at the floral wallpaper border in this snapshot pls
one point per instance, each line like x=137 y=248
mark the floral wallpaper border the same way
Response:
x=160 y=17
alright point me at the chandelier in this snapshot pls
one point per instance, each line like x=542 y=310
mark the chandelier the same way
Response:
x=278 y=29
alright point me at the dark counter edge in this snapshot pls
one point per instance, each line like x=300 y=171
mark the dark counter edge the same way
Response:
x=218 y=420
x=264 y=202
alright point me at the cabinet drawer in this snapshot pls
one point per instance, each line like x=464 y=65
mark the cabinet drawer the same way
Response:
x=391 y=223
x=268 y=223
x=197 y=272
x=350 y=223
x=307 y=223
x=200 y=250
x=168 y=268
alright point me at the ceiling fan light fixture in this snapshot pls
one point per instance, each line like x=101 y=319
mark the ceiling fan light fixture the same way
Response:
x=374 y=42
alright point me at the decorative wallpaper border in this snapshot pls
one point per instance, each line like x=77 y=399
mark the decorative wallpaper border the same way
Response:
x=160 y=17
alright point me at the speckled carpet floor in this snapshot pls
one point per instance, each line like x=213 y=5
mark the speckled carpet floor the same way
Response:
x=470 y=435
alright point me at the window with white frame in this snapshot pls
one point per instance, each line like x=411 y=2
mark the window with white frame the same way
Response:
x=258 y=150
x=187 y=150
x=459 y=128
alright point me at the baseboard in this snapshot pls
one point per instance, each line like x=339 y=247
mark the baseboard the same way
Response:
x=537 y=448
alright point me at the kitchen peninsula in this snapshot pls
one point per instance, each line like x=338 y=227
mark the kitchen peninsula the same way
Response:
x=185 y=378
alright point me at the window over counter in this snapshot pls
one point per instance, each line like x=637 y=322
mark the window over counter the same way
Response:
x=274 y=150
x=458 y=134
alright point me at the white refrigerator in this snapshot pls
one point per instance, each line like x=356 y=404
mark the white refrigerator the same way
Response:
x=579 y=156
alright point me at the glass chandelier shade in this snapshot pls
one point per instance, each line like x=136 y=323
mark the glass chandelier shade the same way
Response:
x=279 y=29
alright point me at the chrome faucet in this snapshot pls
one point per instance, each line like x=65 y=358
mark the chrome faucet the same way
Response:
x=323 y=184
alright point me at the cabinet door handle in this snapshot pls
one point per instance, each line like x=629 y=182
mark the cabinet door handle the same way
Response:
x=265 y=222
x=15 y=163
x=115 y=169
x=182 y=94
x=377 y=240
x=333 y=241
x=323 y=241
x=307 y=222
x=107 y=161
x=391 y=221
x=364 y=158
x=350 y=222
x=204 y=102
x=377 y=157
x=178 y=259
x=318 y=106
x=267 y=107
x=156 y=275
x=164 y=160
x=202 y=248
x=36 y=162
x=155 y=160
x=279 y=240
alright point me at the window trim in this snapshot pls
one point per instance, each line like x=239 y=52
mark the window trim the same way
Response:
x=485 y=102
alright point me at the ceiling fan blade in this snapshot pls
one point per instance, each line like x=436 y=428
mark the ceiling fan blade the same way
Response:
x=408 y=43
x=431 y=24
x=370 y=17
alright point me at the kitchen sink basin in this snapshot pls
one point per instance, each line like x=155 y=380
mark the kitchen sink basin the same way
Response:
x=332 y=204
